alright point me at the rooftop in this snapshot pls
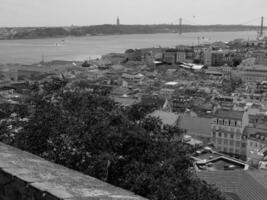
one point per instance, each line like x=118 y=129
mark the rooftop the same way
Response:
x=172 y=83
x=259 y=136
x=125 y=101
x=238 y=184
x=231 y=114
x=253 y=131
x=209 y=160
x=167 y=118
x=196 y=125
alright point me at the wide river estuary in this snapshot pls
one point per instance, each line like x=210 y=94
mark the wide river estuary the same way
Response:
x=81 y=48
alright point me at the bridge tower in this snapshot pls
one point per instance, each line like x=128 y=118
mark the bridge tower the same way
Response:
x=118 y=21
x=260 y=35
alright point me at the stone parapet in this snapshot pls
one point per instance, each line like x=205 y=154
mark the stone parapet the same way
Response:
x=24 y=176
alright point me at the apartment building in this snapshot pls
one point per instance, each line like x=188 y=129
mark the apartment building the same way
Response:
x=254 y=73
x=256 y=144
x=227 y=132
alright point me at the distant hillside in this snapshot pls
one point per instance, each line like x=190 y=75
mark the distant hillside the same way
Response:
x=50 y=32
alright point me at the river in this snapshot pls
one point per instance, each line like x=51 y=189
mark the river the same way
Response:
x=81 y=48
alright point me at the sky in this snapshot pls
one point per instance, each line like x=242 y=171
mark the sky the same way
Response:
x=92 y=12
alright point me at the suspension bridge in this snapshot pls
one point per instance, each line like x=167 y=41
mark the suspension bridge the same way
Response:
x=256 y=24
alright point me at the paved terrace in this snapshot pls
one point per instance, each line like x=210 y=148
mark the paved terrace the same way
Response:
x=26 y=176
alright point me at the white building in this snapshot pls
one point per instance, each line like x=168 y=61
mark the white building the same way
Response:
x=227 y=132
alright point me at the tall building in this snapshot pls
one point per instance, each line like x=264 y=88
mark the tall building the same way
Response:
x=118 y=21
x=217 y=58
x=207 y=58
x=256 y=144
x=169 y=56
x=227 y=132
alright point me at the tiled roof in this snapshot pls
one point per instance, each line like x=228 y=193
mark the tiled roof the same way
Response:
x=239 y=184
x=250 y=131
x=167 y=118
x=196 y=125
x=238 y=115
x=153 y=100
x=125 y=101
x=259 y=136
x=231 y=196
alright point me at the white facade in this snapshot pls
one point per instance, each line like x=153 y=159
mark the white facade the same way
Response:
x=227 y=134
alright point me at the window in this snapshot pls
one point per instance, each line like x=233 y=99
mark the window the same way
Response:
x=225 y=149
x=219 y=141
x=231 y=150
x=232 y=136
x=235 y=123
x=237 y=144
x=225 y=135
x=231 y=142
x=244 y=145
x=256 y=145
x=225 y=142
x=251 y=144
x=214 y=134
x=219 y=134
x=237 y=151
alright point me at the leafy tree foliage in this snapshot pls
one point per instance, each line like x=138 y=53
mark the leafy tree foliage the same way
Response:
x=85 y=64
x=90 y=133
x=230 y=85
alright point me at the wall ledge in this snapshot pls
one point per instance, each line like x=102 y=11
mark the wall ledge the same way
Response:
x=27 y=176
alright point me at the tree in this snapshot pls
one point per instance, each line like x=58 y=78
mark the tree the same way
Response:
x=139 y=111
x=85 y=64
x=90 y=133
x=236 y=61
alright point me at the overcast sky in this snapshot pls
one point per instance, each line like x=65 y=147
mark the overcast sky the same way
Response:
x=90 y=12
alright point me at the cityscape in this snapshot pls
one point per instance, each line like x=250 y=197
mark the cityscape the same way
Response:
x=168 y=121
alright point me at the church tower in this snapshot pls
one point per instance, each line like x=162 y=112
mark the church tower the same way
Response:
x=118 y=21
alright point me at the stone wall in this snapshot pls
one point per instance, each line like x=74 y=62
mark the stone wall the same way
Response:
x=24 y=176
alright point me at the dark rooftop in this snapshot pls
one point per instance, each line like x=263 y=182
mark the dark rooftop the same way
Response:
x=196 y=125
x=237 y=115
x=238 y=184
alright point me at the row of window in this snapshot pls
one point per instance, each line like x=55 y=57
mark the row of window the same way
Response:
x=230 y=142
x=226 y=122
x=229 y=129
x=225 y=135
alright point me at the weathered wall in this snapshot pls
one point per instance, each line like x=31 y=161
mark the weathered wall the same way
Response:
x=24 y=176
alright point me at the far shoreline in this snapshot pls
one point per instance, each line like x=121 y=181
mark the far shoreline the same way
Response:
x=27 y=33
x=78 y=49
x=102 y=35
